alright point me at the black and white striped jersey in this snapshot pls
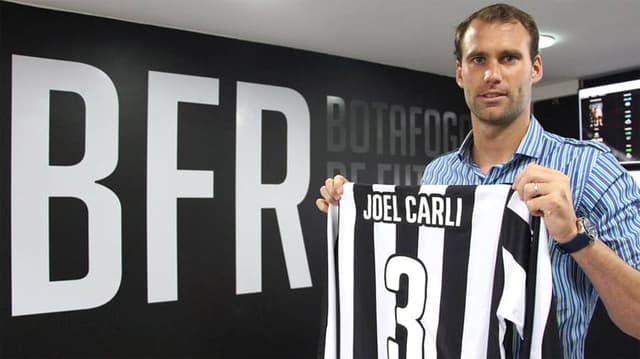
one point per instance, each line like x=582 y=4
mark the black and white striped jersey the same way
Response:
x=437 y=272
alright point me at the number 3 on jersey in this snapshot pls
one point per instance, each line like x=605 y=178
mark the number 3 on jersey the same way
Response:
x=408 y=316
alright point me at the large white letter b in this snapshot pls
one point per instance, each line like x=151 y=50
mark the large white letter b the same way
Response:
x=34 y=181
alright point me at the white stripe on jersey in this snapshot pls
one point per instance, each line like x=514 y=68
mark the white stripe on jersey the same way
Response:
x=544 y=282
x=346 y=270
x=486 y=223
x=330 y=345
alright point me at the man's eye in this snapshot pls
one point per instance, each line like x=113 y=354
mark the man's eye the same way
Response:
x=477 y=60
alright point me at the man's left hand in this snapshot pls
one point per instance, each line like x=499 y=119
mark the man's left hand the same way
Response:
x=546 y=193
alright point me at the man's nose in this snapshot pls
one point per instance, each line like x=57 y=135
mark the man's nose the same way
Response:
x=492 y=74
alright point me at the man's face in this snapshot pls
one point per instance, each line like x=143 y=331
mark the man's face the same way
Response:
x=496 y=71
x=597 y=113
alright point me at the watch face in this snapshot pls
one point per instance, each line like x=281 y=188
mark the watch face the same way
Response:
x=589 y=227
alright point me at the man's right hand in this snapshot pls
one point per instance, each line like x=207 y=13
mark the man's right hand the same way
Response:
x=331 y=192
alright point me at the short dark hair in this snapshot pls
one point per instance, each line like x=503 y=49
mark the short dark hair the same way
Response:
x=499 y=13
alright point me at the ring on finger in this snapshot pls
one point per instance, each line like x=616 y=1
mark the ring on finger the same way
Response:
x=536 y=189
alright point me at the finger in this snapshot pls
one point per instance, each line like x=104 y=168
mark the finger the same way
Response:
x=533 y=173
x=328 y=185
x=549 y=205
x=521 y=179
x=522 y=176
x=534 y=190
x=518 y=186
x=526 y=189
x=326 y=195
x=338 y=184
x=535 y=206
x=328 y=191
x=335 y=187
x=322 y=205
x=340 y=180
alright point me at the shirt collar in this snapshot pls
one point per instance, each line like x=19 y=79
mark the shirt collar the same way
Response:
x=531 y=145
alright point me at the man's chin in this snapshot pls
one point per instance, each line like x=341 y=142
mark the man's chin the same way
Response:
x=495 y=119
x=491 y=115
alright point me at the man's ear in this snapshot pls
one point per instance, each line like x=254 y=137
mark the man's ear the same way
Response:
x=536 y=69
x=459 y=79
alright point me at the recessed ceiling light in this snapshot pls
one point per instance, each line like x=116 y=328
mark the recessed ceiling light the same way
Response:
x=546 y=40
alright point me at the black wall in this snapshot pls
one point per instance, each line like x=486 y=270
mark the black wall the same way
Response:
x=290 y=118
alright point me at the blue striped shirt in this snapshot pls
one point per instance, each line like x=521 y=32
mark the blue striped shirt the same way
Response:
x=603 y=193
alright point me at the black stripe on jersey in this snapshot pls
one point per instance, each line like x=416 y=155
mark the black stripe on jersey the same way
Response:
x=406 y=245
x=551 y=339
x=454 y=276
x=364 y=295
x=531 y=288
x=512 y=232
x=494 y=344
x=406 y=235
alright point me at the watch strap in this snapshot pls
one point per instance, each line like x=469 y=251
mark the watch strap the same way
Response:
x=578 y=242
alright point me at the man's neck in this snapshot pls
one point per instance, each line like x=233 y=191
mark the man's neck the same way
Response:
x=493 y=145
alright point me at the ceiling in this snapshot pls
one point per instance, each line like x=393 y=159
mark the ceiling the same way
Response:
x=595 y=37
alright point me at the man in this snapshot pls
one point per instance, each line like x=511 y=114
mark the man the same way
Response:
x=560 y=179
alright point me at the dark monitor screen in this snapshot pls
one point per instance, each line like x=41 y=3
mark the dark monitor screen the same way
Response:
x=611 y=114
